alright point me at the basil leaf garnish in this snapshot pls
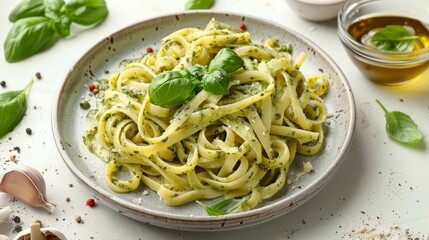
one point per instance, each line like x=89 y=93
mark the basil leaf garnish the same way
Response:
x=198 y=4
x=394 y=38
x=197 y=70
x=86 y=12
x=13 y=105
x=223 y=207
x=175 y=87
x=27 y=8
x=172 y=88
x=216 y=82
x=227 y=60
x=400 y=127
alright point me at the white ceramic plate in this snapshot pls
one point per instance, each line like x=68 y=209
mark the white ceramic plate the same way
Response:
x=70 y=122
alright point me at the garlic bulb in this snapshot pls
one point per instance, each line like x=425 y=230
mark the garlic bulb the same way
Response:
x=37 y=233
x=26 y=184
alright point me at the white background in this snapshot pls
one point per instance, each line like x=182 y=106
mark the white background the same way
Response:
x=380 y=183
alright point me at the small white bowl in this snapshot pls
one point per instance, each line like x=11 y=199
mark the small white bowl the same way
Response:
x=316 y=10
x=55 y=231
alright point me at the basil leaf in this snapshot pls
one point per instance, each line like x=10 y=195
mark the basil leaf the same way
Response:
x=400 y=127
x=54 y=9
x=86 y=12
x=27 y=8
x=223 y=207
x=13 y=105
x=216 y=82
x=62 y=26
x=197 y=70
x=212 y=211
x=394 y=38
x=172 y=88
x=28 y=36
x=227 y=60
x=198 y=4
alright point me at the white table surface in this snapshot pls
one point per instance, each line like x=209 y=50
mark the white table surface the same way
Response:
x=380 y=184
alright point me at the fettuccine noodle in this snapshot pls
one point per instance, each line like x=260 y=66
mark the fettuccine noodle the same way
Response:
x=236 y=145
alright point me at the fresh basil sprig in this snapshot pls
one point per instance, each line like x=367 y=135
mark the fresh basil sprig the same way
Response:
x=223 y=207
x=394 y=38
x=39 y=23
x=400 y=127
x=13 y=105
x=175 y=87
x=199 y=4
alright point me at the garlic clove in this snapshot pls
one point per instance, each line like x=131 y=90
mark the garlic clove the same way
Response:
x=4 y=214
x=28 y=185
x=5 y=221
x=4 y=237
x=37 y=233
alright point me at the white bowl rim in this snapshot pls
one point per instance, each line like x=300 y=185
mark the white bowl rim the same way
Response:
x=321 y=2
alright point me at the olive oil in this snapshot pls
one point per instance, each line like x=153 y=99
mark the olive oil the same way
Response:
x=361 y=31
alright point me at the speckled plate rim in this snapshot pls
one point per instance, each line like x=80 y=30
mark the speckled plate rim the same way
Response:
x=207 y=223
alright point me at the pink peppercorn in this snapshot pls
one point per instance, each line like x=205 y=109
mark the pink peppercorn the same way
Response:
x=90 y=202
x=243 y=26
x=91 y=87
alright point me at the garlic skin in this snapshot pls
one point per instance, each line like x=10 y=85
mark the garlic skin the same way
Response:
x=28 y=185
x=37 y=233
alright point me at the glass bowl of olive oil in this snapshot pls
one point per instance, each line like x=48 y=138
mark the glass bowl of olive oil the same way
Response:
x=388 y=40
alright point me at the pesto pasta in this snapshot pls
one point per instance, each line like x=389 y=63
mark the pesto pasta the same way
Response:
x=240 y=144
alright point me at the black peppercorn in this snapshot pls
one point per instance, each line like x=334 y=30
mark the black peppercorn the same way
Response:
x=29 y=131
